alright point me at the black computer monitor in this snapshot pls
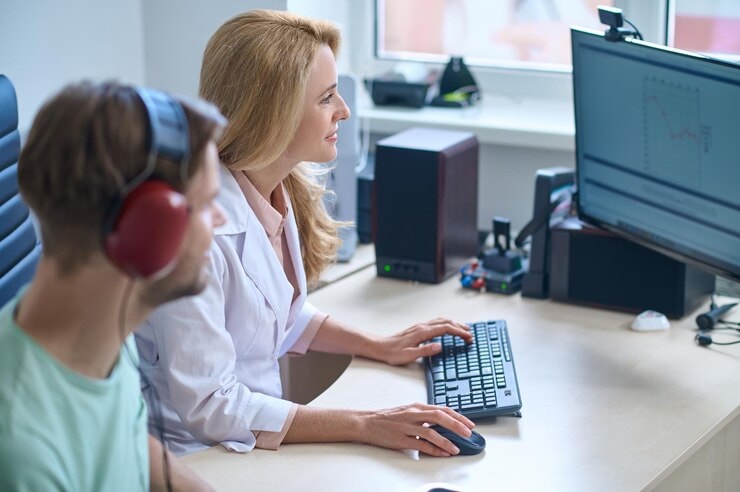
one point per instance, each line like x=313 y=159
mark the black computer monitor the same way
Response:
x=658 y=148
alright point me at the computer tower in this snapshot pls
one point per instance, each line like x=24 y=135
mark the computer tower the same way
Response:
x=342 y=180
x=365 y=199
x=595 y=267
x=426 y=189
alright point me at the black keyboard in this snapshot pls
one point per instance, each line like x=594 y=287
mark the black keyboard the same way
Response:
x=478 y=379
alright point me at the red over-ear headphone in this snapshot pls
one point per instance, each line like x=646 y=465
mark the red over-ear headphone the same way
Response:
x=147 y=223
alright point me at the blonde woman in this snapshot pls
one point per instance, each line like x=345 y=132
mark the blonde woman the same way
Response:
x=273 y=75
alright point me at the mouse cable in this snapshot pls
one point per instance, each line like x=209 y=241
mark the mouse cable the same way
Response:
x=727 y=328
x=157 y=410
x=703 y=340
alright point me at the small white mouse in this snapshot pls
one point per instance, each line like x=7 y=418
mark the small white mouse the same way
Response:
x=650 y=321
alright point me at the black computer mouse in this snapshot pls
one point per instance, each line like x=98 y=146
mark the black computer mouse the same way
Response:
x=467 y=445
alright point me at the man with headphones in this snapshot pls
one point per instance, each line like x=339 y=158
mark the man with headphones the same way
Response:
x=122 y=180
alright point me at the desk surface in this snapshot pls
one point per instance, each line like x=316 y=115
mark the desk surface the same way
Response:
x=604 y=408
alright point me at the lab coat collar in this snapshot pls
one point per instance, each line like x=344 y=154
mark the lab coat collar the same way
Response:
x=258 y=257
x=234 y=205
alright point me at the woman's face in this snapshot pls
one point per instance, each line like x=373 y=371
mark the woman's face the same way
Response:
x=316 y=138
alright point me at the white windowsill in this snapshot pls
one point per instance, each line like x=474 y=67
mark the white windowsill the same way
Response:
x=522 y=122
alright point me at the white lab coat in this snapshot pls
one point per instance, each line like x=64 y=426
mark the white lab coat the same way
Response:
x=212 y=359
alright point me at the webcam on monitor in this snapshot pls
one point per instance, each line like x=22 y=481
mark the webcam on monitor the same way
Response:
x=611 y=16
x=614 y=18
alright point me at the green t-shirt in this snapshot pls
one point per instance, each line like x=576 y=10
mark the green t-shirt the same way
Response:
x=60 y=430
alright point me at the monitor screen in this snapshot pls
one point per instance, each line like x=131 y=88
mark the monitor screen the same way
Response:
x=658 y=148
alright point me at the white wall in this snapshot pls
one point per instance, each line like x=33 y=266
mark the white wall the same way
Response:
x=46 y=44
x=344 y=13
x=506 y=181
x=176 y=33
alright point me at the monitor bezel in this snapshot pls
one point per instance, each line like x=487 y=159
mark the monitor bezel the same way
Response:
x=576 y=34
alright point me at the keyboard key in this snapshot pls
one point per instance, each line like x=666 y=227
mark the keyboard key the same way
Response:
x=467 y=375
x=471 y=406
x=453 y=401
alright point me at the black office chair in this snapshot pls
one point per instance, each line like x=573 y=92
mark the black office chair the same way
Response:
x=19 y=248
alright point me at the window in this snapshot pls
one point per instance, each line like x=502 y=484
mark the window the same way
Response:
x=710 y=26
x=534 y=34
x=509 y=33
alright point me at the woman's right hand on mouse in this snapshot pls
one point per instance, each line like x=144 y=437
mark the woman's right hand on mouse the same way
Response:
x=407 y=427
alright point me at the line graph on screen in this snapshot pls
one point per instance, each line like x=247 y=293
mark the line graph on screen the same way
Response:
x=674 y=137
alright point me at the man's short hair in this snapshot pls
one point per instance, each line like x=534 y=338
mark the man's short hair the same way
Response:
x=85 y=144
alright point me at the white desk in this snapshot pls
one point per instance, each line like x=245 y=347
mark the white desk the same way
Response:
x=364 y=256
x=604 y=408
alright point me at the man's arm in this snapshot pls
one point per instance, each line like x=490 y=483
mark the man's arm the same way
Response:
x=182 y=478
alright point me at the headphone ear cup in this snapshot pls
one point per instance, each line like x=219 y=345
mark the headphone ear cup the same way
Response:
x=149 y=230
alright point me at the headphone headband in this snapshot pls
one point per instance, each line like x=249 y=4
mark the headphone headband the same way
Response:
x=147 y=222
x=168 y=134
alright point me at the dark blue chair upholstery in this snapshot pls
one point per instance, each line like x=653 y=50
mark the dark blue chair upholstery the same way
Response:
x=19 y=247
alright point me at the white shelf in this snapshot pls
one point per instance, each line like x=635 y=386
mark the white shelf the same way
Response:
x=533 y=123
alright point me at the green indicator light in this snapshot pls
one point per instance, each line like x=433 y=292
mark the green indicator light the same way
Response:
x=503 y=286
x=387 y=268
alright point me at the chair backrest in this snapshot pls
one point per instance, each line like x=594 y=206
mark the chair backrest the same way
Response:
x=19 y=247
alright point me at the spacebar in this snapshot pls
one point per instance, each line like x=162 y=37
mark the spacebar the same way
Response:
x=466 y=375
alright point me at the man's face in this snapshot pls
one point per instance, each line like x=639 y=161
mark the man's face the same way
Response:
x=188 y=277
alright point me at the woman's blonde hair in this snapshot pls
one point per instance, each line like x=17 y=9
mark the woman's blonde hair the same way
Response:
x=255 y=70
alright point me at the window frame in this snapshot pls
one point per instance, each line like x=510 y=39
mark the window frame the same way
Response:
x=649 y=15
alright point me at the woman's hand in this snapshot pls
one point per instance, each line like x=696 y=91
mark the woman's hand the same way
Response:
x=406 y=346
x=407 y=427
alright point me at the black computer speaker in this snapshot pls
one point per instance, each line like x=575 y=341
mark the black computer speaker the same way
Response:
x=426 y=190
x=595 y=267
